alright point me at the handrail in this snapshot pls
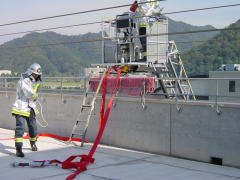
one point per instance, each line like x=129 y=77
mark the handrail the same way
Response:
x=61 y=88
x=82 y=77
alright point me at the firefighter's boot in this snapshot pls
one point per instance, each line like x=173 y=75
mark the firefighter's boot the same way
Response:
x=19 y=152
x=33 y=145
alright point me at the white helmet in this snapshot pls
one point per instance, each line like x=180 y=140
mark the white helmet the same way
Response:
x=34 y=69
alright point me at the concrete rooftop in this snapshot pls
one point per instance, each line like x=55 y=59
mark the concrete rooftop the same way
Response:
x=110 y=163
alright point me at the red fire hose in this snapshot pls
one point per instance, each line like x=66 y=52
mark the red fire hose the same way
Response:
x=84 y=159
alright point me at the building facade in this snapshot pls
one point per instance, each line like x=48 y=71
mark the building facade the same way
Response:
x=5 y=72
x=224 y=86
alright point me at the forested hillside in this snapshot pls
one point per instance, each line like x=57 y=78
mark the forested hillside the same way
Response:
x=187 y=41
x=70 y=59
x=224 y=48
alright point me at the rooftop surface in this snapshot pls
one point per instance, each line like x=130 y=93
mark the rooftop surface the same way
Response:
x=110 y=163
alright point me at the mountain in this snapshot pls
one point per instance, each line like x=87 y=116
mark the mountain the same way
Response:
x=70 y=59
x=224 y=48
x=192 y=39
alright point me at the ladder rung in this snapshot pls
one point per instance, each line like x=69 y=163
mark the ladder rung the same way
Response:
x=81 y=121
x=88 y=93
x=168 y=81
x=92 y=114
x=79 y=134
x=86 y=106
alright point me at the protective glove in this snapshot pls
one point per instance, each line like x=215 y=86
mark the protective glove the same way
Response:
x=35 y=89
x=35 y=96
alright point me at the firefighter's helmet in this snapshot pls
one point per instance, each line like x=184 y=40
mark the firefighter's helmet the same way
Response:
x=34 y=69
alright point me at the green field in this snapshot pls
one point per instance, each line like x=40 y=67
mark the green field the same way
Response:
x=48 y=84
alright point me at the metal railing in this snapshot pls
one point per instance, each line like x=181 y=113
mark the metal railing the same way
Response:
x=213 y=89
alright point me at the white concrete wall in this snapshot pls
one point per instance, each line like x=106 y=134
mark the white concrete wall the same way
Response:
x=221 y=87
x=196 y=131
x=200 y=87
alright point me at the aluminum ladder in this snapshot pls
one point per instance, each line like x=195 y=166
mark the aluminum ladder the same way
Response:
x=81 y=125
x=171 y=75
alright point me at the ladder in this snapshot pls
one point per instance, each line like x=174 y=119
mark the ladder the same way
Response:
x=171 y=75
x=81 y=125
x=167 y=85
x=182 y=81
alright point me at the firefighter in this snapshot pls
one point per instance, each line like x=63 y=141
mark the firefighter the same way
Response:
x=143 y=12
x=24 y=108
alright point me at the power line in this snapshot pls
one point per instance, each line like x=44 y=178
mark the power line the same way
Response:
x=99 y=40
x=113 y=7
x=98 y=22
x=202 y=9
x=51 y=44
x=196 y=31
x=47 y=29
x=186 y=42
x=192 y=10
x=71 y=14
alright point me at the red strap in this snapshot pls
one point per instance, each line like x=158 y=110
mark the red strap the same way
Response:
x=86 y=159
x=104 y=116
x=60 y=137
x=103 y=100
x=25 y=137
x=50 y=135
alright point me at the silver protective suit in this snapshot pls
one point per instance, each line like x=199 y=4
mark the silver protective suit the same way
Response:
x=25 y=97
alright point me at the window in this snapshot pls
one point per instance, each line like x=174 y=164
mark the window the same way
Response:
x=232 y=86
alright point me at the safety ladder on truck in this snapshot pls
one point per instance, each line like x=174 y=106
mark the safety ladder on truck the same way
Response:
x=81 y=125
x=172 y=76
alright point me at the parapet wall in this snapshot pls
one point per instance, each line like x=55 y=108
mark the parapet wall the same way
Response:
x=187 y=130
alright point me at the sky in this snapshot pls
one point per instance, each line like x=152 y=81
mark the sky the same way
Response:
x=19 y=10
